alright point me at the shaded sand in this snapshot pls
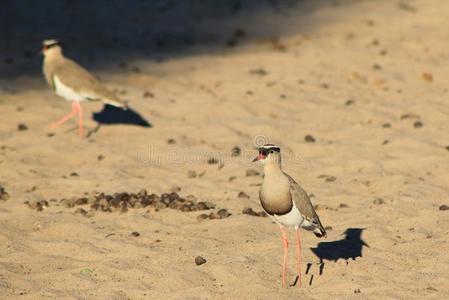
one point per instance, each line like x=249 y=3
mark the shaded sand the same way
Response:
x=367 y=79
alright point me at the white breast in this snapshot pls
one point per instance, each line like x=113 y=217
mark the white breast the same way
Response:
x=67 y=92
x=293 y=218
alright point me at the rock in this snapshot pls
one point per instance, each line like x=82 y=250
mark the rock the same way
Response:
x=258 y=71
x=202 y=217
x=135 y=233
x=251 y=212
x=378 y=201
x=236 y=151
x=418 y=124
x=343 y=205
x=191 y=174
x=22 y=127
x=309 y=139
x=199 y=261
x=223 y=213
x=3 y=194
x=243 y=195
x=443 y=207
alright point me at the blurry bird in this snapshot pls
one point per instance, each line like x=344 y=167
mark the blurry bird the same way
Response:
x=286 y=203
x=73 y=83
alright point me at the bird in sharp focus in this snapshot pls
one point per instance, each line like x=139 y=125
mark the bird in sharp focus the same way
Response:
x=286 y=202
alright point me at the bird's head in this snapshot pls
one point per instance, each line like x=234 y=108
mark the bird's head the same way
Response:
x=269 y=154
x=51 y=48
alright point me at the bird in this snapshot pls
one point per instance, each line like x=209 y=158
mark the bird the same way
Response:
x=286 y=202
x=73 y=83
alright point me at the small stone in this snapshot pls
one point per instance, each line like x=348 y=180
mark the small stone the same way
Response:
x=324 y=86
x=357 y=291
x=223 y=213
x=22 y=127
x=202 y=217
x=148 y=94
x=349 y=102
x=74 y=174
x=377 y=67
x=191 y=174
x=343 y=205
x=385 y=142
x=309 y=139
x=443 y=207
x=328 y=228
x=378 y=201
x=199 y=261
x=418 y=124
x=3 y=194
x=171 y=141
x=100 y=157
x=135 y=233
x=252 y=172
x=248 y=211
x=236 y=151
x=447 y=148
x=386 y=125
x=231 y=178
x=243 y=195
x=258 y=71
x=331 y=178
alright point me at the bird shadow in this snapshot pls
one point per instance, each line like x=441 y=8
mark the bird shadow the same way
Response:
x=350 y=247
x=113 y=115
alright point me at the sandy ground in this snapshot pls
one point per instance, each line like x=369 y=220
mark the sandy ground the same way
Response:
x=367 y=79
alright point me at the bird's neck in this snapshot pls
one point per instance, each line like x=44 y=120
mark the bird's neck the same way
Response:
x=273 y=169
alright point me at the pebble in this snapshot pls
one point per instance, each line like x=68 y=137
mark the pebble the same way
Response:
x=135 y=233
x=199 y=260
x=378 y=201
x=309 y=139
x=251 y=212
x=443 y=207
x=418 y=124
x=243 y=195
x=236 y=151
x=22 y=127
x=3 y=194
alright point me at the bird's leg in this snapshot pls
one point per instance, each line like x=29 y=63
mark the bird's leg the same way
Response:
x=285 y=244
x=298 y=255
x=65 y=118
x=80 y=118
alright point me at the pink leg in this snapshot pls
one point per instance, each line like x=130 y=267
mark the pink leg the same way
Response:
x=80 y=119
x=285 y=244
x=65 y=118
x=298 y=256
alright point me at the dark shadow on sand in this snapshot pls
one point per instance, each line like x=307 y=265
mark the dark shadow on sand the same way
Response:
x=113 y=115
x=350 y=247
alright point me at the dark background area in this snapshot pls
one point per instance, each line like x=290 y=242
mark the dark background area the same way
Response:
x=155 y=29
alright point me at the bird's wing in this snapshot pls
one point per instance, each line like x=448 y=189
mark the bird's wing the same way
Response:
x=81 y=81
x=304 y=205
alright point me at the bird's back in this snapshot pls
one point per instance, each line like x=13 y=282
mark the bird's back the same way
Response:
x=78 y=79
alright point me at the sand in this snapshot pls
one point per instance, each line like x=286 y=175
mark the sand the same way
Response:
x=368 y=80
